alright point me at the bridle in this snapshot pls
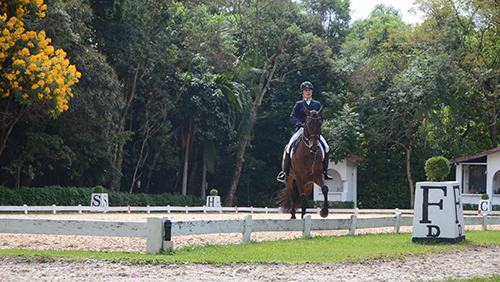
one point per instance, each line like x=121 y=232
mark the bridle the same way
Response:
x=306 y=139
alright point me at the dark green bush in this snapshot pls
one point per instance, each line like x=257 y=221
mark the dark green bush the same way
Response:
x=72 y=196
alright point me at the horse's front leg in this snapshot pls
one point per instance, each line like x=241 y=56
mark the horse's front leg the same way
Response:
x=324 y=211
x=292 y=200
x=303 y=200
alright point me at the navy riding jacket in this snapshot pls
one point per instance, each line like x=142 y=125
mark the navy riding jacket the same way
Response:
x=298 y=116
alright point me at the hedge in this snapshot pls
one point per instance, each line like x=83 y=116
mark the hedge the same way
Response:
x=73 y=196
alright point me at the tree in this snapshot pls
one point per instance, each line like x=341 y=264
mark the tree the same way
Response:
x=383 y=83
x=332 y=18
x=34 y=76
x=135 y=36
x=474 y=29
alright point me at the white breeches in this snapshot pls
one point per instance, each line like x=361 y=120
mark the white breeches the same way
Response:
x=297 y=134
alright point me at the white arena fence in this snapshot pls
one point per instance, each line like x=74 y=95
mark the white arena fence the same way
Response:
x=160 y=230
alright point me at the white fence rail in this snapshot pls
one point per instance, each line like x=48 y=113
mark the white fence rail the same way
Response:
x=159 y=231
x=169 y=209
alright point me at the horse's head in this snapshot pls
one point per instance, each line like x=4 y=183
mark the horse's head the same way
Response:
x=312 y=129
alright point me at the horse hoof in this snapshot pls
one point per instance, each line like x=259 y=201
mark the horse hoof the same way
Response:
x=323 y=213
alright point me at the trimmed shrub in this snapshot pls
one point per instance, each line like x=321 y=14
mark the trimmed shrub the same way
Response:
x=437 y=168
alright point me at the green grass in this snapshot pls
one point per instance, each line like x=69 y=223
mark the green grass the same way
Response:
x=318 y=249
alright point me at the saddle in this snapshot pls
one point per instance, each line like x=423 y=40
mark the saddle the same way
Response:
x=295 y=144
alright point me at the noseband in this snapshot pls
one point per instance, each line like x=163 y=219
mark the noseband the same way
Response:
x=306 y=139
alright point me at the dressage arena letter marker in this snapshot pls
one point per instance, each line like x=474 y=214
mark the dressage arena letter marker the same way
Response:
x=213 y=201
x=438 y=213
x=99 y=201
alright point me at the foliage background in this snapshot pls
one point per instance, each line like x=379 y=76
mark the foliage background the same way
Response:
x=182 y=97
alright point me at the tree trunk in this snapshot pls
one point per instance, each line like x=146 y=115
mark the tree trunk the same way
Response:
x=204 y=181
x=410 y=178
x=8 y=126
x=150 y=172
x=116 y=182
x=264 y=85
x=192 y=174
x=240 y=159
x=186 y=161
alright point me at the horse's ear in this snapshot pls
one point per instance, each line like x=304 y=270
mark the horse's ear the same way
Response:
x=320 y=112
x=306 y=110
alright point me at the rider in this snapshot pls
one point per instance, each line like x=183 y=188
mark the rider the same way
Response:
x=298 y=118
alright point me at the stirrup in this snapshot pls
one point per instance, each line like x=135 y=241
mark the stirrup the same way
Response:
x=327 y=176
x=281 y=177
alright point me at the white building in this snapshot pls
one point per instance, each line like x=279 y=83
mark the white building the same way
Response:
x=343 y=186
x=479 y=174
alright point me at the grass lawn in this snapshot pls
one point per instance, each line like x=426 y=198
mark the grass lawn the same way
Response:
x=294 y=251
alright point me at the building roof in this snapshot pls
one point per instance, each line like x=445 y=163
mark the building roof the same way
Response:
x=474 y=157
x=354 y=158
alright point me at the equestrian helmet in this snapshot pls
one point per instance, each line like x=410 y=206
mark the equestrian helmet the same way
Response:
x=305 y=85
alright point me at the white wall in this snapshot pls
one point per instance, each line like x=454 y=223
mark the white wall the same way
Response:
x=344 y=184
x=492 y=181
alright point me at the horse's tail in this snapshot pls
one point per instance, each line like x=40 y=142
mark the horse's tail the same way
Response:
x=285 y=198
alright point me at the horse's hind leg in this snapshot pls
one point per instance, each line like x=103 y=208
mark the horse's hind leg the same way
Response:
x=324 y=211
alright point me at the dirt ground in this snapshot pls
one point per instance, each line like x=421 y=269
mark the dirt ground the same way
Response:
x=481 y=262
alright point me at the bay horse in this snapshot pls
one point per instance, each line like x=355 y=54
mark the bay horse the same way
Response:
x=306 y=168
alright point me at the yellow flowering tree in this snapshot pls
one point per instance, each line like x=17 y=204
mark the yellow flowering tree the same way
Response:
x=33 y=75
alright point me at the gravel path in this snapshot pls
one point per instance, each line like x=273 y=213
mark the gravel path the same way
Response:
x=480 y=262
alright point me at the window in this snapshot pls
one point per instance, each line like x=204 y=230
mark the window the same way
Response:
x=474 y=179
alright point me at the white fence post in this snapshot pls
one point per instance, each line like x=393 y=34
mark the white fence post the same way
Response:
x=307 y=226
x=485 y=221
x=247 y=231
x=354 y=218
x=154 y=237
x=167 y=242
x=398 y=221
x=25 y=209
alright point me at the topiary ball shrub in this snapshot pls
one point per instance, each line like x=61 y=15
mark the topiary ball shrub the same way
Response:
x=214 y=192
x=437 y=168
x=99 y=189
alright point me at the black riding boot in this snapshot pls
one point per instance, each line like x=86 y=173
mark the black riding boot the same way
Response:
x=326 y=161
x=283 y=175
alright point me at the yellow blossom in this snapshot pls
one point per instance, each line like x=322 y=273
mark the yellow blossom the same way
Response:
x=36 y=66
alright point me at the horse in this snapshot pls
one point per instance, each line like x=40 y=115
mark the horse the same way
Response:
x=306 y=168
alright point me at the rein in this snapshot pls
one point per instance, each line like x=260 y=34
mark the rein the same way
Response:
x=306 y=139
x=309 y=145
